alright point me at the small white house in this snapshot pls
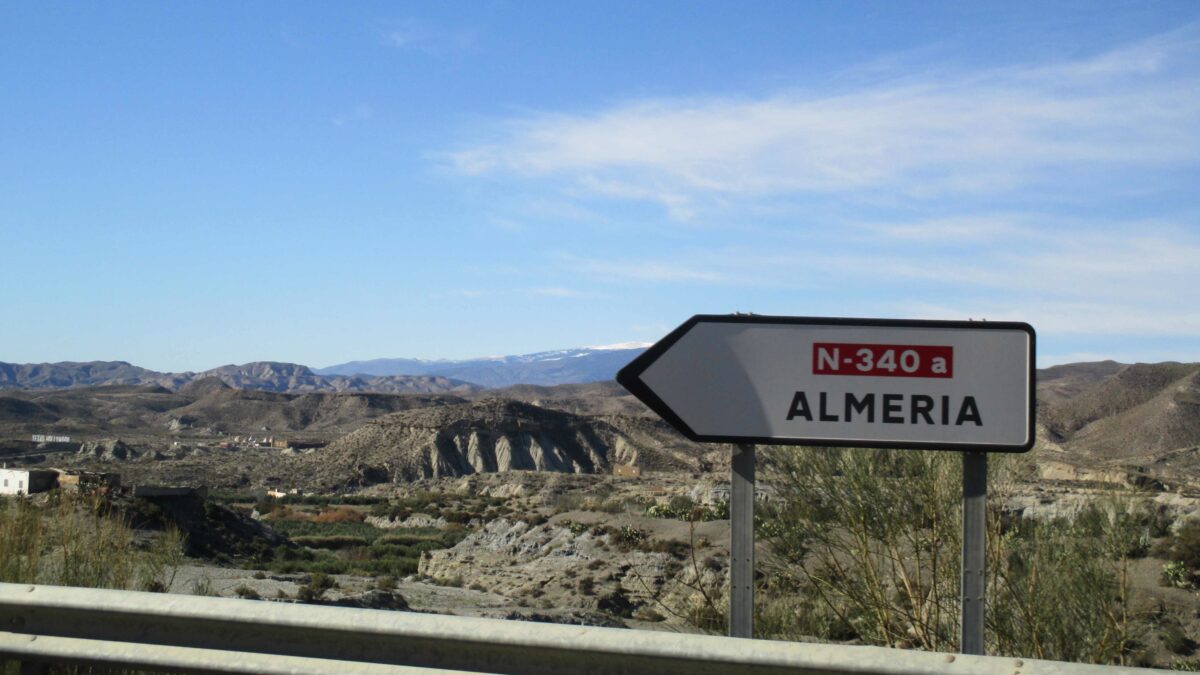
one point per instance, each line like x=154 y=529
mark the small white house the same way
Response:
x=26 y=481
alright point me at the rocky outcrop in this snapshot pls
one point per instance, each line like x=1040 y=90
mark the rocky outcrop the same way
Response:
x=566 y=565
x=107 y=450
x=489 y=436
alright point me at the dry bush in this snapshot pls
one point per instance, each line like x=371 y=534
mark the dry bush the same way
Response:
x=342 y=514
x=80 y=541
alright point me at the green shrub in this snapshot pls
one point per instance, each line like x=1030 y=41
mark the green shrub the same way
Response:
x=681 y=504
x=1175 y=574
x=1184 y=545
x=629 y=537
x=587 y=586
x=318 y=584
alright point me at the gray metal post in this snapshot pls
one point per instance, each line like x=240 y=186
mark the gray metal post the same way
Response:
x=741 y=545
x=974 y=552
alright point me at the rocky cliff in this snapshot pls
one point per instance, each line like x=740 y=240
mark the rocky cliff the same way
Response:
x=492 y=435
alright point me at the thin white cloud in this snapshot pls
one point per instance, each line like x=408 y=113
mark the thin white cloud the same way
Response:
x=541 y=292
x=1144 y=265
x=556 y=292
x=950 y=229
x=421 y=36
x=1133 y=278
x=645 y=270
x=1112 y=318
x=976 y=133
x=360 y=113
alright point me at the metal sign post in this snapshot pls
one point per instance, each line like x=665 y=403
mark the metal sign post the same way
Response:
x=974 y=551
x=741 y=543
x=877 y=383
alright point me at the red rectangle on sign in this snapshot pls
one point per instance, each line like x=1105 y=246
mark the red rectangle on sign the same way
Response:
x=833 y=358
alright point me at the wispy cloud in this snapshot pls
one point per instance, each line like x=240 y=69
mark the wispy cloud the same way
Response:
x=421 y=36
x=968 y=194
x=538 y=292
x=644 y=270
x=947 y=229
x=922 y=137
x=471 y=293
x=1129 y=278
x=360 y=113
x=556 y=292
x=1073 y=318
x=1147 y=264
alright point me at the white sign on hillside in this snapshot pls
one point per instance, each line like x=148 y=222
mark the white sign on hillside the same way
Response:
x=867 y=382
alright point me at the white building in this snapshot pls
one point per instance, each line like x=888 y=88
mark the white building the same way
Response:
x=26 y=481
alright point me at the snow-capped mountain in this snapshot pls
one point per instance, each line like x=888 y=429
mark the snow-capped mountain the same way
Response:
x=561 y=366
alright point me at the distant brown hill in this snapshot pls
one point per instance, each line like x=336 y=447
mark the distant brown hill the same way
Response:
x=261 y=375
x=492 y=435
x=80 y=374
x=593 y=398
x=1091 y=397
x=231 y=410
x=1142 y=411
x=1066 y=381
x=203 y=407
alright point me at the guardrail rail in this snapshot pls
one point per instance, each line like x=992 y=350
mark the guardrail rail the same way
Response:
x=182 y=633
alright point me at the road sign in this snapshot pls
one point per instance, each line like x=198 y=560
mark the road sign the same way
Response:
x=960 y=385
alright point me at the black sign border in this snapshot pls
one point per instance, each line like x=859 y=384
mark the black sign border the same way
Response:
x=630 y=378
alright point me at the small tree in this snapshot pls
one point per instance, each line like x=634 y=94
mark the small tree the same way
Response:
x=869 y=540
x=865 y=544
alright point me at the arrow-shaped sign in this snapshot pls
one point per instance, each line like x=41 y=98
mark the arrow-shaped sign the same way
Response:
x=959 y=385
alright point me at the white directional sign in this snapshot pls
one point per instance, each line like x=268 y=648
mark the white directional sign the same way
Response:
x=867 y=382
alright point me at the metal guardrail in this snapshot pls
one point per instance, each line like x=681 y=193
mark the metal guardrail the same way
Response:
x=222 y=635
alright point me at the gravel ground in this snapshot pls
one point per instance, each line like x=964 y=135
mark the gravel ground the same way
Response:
x=421 y=596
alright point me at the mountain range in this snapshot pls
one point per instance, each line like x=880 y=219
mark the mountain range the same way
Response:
x=1093 y=419
x=564 y=366
x=397 y=376
x=259 y=375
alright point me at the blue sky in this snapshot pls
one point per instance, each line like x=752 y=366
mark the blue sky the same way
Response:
x=184 y=185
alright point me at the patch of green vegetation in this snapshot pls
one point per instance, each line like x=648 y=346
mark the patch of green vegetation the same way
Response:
x=358 y=548
x=333 y=542
x=439 y=505
x=306 y=528
x=682 y=507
